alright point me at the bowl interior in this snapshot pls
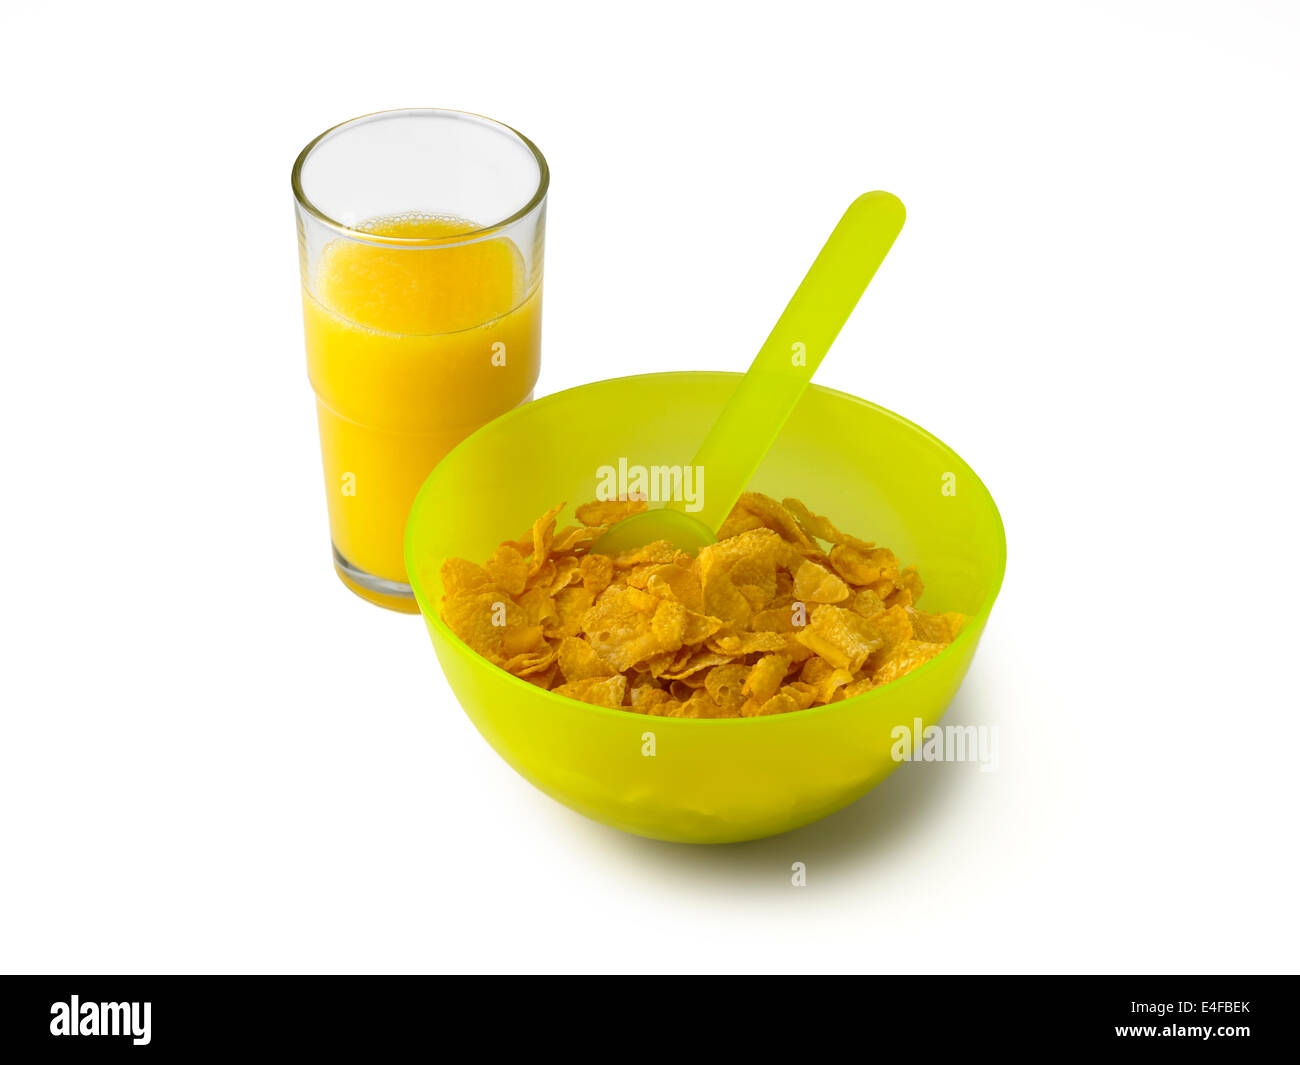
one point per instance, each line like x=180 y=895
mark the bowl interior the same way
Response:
x=871 y=472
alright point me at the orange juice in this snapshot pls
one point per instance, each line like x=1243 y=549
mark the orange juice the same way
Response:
x=409 y=350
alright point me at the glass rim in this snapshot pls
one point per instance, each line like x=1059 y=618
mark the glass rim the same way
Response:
x=468 y=237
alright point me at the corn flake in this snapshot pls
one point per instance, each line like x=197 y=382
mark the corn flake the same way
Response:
x=763 y=622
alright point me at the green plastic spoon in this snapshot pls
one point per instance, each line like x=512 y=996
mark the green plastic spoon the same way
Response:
x=777 y=377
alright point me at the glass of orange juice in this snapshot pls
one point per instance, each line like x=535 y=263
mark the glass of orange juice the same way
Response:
x=420 y=236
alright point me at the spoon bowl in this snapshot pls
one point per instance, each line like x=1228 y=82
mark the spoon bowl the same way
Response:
x=675 y=526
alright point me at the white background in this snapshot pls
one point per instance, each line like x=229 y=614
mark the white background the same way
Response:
x=213 y=757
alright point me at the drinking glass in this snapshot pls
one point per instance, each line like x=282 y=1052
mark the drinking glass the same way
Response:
x=420 y=236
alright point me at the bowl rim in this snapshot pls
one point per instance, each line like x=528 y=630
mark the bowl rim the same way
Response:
x=433 y=618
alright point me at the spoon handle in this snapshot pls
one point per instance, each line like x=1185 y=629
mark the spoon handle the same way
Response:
x=784 y=365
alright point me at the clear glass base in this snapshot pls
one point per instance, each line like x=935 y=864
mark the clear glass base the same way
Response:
x=394 y=595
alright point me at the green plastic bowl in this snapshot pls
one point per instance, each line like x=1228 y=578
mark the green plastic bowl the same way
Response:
x=713 y=781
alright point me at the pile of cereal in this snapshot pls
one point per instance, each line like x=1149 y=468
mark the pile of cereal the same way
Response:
x=765 y=621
